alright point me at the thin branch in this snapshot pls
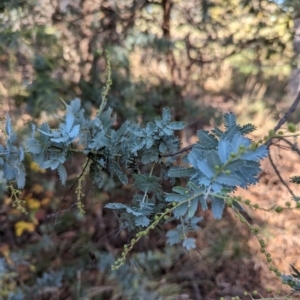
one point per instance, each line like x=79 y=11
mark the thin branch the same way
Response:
x=57 y=213
x=293 y=146
x=269 y=143
x=279 y=176
x=286 y=116
x=188 y=148
x=81 y=174
x=60 y=212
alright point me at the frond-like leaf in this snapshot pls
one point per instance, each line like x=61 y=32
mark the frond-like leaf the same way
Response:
x=175 y=197
x=238 y=140
x=230 y=180
x=256 y=155
x=162 y=148
x=295 y=179
x=217 y=132
x=194 y=157
x=205 y=169
x=75 y=105
x=207 y=139
x=166 y=114
x=229 y=120
x=142 y=221
x=69 y=121
x=118 y=171
x=8 y=127
x=176 y=126
x=74 y=132
x=149 y=155
x=180 y=190
x=147 y=183
x=96 y=174
x=213 y=159
x=230 y=132
x=181 y=210
x=62 y=173
x=189 y=243
x=217 y=207
x=9 y=171
x=235 y=165
x=193 y=205
x=34 y=146
x=247 y=128
x=224 y=150
x=177 y=172
x=173 y=236
x=115 y=206
x=20 y=176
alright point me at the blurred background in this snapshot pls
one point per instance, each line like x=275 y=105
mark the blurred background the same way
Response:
x=201 y=58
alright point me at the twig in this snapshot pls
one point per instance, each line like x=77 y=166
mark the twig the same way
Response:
x=269 y=143
x=60 y=212
x=57 y=213
x=188 y=148
x=280 y=177
x=293 y=146
x=81 y=174
x=286 y=116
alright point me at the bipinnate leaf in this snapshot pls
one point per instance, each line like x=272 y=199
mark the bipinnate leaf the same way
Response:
x=69 y=121
x=181 y=210
x=8 y=127
x=166 y=114
x=213 y=159
x=75 y=105
x=295 y=179
x=181 y=172
x=20 y=176
x=74 y=132
x=176 y=126
x=207 y=139
x=192 y=208
x=121 y=175
x=173 y=237
x=34 y=146
x=224 y=150
x=238 y=140
x=217 y=207
x=189 y=243
x=175 y=197
x=256 y=155
x=142 y=221
x=9 y=171
x=180 y=190
x=205 y=169
x=229 y=120
x=230 y=180
x=62 y=172
x=248 y=128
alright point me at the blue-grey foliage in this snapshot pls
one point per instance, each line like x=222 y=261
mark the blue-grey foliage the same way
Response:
x=221 y=161
x=218 y=163
x=12 y=156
